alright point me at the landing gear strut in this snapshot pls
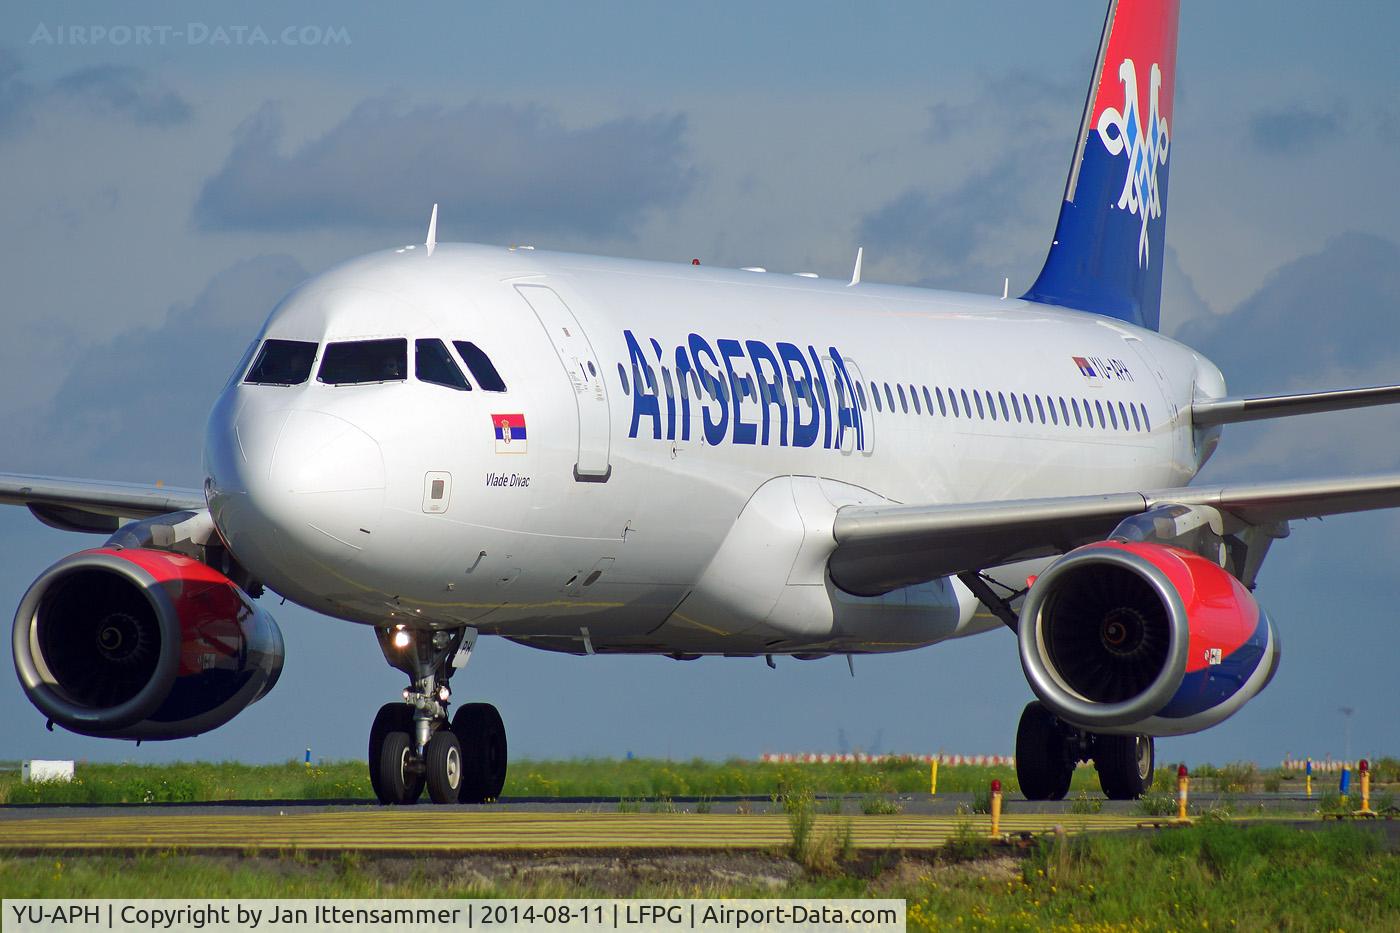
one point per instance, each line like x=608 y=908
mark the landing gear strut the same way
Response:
x=412 y=745
x=1047 y=750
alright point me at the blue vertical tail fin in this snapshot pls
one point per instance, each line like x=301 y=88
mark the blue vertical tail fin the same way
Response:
x=1108 y=249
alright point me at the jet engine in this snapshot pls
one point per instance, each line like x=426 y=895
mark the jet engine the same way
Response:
x=142 y=644
x=1143 y=638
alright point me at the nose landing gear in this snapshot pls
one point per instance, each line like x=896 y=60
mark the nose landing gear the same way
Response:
x=412 y=744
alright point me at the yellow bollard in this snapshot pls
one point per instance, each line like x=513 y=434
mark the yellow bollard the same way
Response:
x=1183 y=788
x=1308 y=777
x=933 y=775
x=1365 y=767
x=996 y=809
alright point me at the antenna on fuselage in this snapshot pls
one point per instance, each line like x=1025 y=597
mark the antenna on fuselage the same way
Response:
x=431 y=241
x=860 y=257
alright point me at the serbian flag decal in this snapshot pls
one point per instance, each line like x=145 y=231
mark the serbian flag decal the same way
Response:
x=1086 y=369
x=510 y=433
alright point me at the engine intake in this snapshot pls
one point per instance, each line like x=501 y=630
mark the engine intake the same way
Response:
x=1143 y=637
x=142 y=644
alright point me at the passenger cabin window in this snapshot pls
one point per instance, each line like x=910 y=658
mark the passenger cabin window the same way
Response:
x=482 y=369
x=282 y=363
x=355 y=362
x=432 y=363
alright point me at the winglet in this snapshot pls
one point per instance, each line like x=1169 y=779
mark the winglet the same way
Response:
x=860 y=256
x=431 y=242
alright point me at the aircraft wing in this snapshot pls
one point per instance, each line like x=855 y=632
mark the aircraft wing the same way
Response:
x=93 y=505
x=882 y=548
x=1256 y=408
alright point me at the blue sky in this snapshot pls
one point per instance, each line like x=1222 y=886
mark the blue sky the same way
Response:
x=161 y=196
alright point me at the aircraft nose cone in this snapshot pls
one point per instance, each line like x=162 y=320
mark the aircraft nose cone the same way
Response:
x=295 y=489
x=329 y=475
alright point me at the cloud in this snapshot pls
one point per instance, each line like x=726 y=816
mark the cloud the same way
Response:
x=1323 y=311
x=1292 y=130
x=991 y=172
x=1322 y=321
x=126 y=91
x=135 y=407
x=1037 y=101
x=1181 y=301
x=497 y=168
x=968 y=236
x=120 y=91
x=16 y=95
x=946 y=228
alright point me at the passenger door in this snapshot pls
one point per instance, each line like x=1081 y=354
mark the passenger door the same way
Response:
x=585 y=378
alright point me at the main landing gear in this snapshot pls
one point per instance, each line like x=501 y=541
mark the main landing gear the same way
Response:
x=413 y=745
x=1047 y=750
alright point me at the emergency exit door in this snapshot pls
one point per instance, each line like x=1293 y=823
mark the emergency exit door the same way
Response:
x=585 y=377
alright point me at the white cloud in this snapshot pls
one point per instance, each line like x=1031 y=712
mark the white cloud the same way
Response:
x=504 y=169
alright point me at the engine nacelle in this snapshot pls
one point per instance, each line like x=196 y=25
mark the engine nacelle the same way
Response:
x=1139 y=637
x=142 y=644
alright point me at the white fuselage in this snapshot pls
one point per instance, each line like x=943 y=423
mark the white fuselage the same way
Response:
x=656 y=504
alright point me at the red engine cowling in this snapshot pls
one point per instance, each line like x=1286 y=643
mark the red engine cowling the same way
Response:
x=1143 y=638
x=142 y=644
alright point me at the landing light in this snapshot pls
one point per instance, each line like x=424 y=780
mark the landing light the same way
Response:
x=444 y=694
x=402 y=638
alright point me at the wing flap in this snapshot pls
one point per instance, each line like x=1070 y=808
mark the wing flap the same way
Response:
x=883 y=548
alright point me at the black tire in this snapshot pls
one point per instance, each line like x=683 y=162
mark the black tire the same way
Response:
x=1043 y=767
x=392 y=717
x=482 y=734
x=1125 y=764
x=400 y=782
x=443 y=758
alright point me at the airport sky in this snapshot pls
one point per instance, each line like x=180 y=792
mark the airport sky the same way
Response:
x=161 y=195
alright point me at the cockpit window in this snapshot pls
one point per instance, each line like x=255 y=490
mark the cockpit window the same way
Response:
x=361 y=361
x=480 y=365
x=432 y=363
x=282 y=363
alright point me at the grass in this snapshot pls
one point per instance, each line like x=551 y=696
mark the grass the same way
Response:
x=637 y=779
x=194 y=781
x=1210 y=876
x=1084 y=804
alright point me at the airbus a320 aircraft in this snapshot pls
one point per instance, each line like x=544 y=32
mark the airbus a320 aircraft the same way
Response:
x=600 y=455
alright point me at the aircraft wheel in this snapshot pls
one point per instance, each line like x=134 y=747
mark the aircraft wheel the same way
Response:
x=400 y=780
x=443 y=759
x=1043 y=767
x=1125 y=764
x=392 y=717
x=482 y=735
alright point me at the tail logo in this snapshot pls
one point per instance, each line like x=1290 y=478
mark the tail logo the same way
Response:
x=1122 y=133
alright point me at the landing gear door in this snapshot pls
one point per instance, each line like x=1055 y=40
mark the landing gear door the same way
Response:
x=585 y=378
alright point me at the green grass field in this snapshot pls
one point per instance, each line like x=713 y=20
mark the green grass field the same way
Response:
x=638 y=779
x=1213 y=876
